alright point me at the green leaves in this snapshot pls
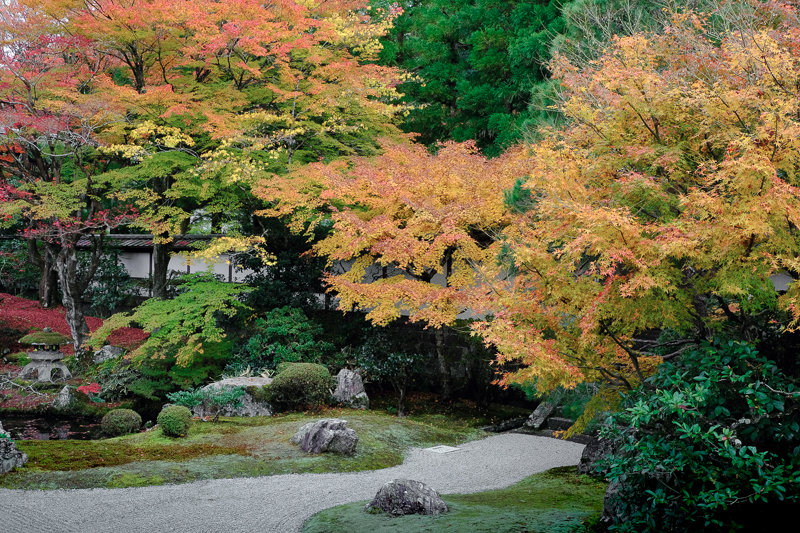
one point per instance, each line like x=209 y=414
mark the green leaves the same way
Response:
x=184 y=325
x=715 y=429
x=476 y=65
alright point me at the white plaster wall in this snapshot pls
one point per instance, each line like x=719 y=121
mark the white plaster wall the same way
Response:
x=136 y=263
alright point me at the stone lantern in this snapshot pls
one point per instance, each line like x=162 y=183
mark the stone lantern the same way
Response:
x=46 y=356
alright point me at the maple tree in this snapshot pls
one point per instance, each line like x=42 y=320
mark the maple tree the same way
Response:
x=49 y=169
x=666 y=206
x=655 y=220
x=223 y=92
x=410 y=230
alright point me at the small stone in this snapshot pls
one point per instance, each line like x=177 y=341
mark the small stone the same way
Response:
x=64 y=398
x=350 y=390
x=326 y=435
x=406 y=496
x=107 y=352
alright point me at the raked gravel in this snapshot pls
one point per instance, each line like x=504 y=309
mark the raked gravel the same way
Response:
x=276 y=503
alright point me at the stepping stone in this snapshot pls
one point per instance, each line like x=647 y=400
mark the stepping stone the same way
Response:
x=441 y=449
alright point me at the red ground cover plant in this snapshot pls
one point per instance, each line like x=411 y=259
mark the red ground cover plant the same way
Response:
x=91 y=388
x=24 y=315
x=14 y=399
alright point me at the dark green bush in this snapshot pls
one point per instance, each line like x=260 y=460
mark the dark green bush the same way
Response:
x=384 y=359
x=213 y=400
x=121 y=422
x=708 y=441
x=259 y=394
x=282 y=335
x=300 y=386
x=174 y=420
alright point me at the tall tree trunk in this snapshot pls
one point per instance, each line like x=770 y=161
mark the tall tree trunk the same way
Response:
x=444 y=365
x=72 y=296
x=48 y=283
x=49 y=279
x=161 y=253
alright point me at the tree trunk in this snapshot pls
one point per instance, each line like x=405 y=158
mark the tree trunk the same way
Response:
x=48 y=284
x=48 y=281
x=401 y=397
x=161 y=254
x=72 y=296
x=444 y=366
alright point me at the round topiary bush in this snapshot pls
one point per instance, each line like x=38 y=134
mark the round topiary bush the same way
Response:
x=300 y=386
x=121 y=422
x=174 y=420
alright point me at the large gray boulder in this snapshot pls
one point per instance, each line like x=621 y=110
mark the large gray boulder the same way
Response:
x=250 y=406
x=595 y=450
x=10 y=457
x=107 y=352
x=406 y=496
x=613 y=510
x=326 y=435
x=350 y=390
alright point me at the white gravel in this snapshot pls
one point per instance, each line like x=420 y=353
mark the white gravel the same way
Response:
x=276 y=503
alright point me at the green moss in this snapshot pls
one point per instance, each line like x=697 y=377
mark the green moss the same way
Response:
x=50 y=338
x=84 y=454
x=555 y=501
x=20 y=358
x=259 y=394
x=128 y=479
x=232 y=447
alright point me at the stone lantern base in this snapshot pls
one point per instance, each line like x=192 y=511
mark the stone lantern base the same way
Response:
x=44 y=370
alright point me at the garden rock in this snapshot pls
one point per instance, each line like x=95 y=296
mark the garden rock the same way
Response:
x=540 y=414
x=595 y=450
x=107 y=352
x=350 y=390
x=10 y=457
x=64 y=398
x=406 y=496
x=249 y=406
x=613 y=510
x=326 y=435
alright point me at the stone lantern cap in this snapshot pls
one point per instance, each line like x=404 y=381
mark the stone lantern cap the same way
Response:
x=47 y=337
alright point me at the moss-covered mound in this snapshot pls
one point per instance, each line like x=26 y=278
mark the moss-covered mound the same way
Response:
x=556 y=501
x=46 y=337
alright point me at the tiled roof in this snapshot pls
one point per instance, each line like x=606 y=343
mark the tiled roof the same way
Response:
x=133 y=240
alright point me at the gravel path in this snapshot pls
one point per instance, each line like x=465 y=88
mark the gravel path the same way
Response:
x=276 y=503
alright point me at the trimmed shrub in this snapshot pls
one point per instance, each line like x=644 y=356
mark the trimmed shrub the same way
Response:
x=121 y=422
x=300 y=386
x=174 y=420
